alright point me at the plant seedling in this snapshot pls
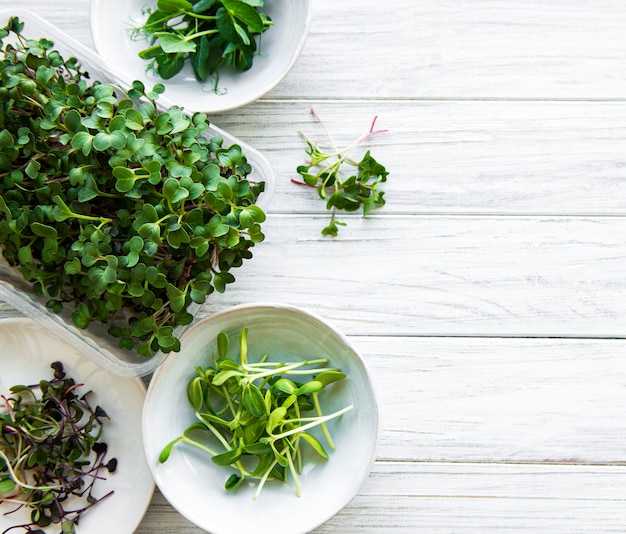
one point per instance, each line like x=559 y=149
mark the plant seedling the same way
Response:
x=254 y=417
x=345 y=184
x=124 y=213
x=209 y=34
x=51 y=451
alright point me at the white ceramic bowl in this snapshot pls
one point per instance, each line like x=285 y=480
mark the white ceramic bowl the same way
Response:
x=195 y=486
x=282 y=44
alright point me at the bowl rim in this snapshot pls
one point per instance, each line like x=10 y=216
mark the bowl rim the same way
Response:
x=99 y=41
x=309 y=315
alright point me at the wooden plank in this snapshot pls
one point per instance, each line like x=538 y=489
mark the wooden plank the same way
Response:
x=446 y=49
x=408 y=497
x=71 y=18
x=500 y=400
x=502 y=276
x=456 y=157
x=450 y=49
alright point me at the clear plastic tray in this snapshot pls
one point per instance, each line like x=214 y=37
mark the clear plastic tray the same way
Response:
x=94 y=342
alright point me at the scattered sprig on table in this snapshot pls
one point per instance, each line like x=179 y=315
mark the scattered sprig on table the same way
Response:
x=254 y=417
x=345 y=184
x=51 y=453
x=124 y=213
x=207 y=33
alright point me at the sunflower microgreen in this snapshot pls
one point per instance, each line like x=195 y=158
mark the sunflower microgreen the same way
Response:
x=254 y=416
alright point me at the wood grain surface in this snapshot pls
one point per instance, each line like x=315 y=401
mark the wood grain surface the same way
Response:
x=488 y=296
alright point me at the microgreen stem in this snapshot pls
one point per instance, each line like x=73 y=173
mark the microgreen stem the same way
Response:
x=319 y=421
x=318 y=411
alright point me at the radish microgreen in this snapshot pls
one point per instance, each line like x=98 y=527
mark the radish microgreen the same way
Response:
x=124 y=213
x=345 y=184
x=51 y=452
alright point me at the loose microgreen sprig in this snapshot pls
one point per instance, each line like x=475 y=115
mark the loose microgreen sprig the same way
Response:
x=50 y=452
x=344 y=183
x=122 y=213
x=207 y=33
x=253 y=416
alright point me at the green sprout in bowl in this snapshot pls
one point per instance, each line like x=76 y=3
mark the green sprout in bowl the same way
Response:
x=209 y=34
x=255 y=417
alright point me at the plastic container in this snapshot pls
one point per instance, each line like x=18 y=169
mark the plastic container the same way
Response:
x=94 y=342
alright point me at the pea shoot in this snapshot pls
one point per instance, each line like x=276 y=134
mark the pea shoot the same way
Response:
x=51 y=452
x=209 y=34
x=255 y=417
x=344 y=183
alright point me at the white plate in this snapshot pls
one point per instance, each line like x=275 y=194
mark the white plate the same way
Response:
x=282 y=44
x=195 y=486
x=26 y=352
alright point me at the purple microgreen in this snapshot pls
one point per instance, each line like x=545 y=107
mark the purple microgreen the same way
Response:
x=50 y=452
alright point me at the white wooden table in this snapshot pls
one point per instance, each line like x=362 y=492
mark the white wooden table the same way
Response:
x=488 y=296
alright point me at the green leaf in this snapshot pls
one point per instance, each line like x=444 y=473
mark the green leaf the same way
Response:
x=175 y=44
x=134 y=120
x=150 y=232
x=313 y=442
x=83 y=141
x=173 y=192
x=328 y=377
x=253 y=400
x=195 y=393
x=32 y=169
x=6 y=485
x=227 y=458
x=125 y=179
x=168 y=65
x=233 y=482
x=312 y=386
x=25 y=255
x=276 y=417
x=81 y=316
x=245 y=13
x=167 y=450
x=72 y=120
x=200 y=59
x=222 y=344
x=177 y=298
x=43 y=230
x=221 y=377
x=6 y=139
x=174 y=6
x=285 y=386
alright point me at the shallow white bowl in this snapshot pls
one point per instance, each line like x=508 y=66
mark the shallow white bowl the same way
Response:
x=195 y=486
x=282 y=44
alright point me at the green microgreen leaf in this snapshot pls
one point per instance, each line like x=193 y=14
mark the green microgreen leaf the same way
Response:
x=332 y=174
x=111 y=206
x=210 y=34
